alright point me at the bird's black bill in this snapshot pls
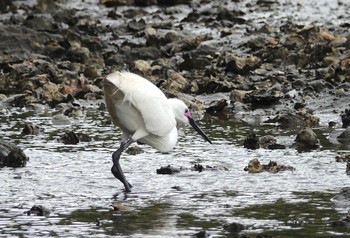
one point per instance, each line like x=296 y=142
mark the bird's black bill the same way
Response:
x=199 y=130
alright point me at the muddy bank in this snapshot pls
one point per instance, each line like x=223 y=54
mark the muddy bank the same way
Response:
x=255 y=52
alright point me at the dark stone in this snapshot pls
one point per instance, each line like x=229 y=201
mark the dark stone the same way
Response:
x=344 y=137
x=198 y=167
x=42 y=22
x=137 y=25
x=201 y=234
x=72 y=138
x=168 y=170
x=5 y=5
x=307 y=140
x=217 y=106
x=14 y=36
x=332 y=124
x=234 y=227
x=251 y=142
x=38 y=210
x=11 y=155
x=345 y=222
x=345 y=118
x=299 y=105
x=233 y=16
x=173 y=2
x=30 y=129
x=287 y=119
x=194 y=63
x=135 y=150
x=276 y=147
x=262 y=99
x=214 y=87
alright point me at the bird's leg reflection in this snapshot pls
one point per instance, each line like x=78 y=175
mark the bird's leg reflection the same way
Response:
x=116 y=169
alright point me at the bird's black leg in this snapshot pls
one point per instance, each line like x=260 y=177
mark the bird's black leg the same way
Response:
x=116 y=169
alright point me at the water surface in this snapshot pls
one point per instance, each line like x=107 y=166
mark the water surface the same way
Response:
x=75 y=183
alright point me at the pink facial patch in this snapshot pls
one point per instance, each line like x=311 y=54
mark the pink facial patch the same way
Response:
x=188 y=114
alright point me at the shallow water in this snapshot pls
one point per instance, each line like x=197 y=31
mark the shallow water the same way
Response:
x=75 y=183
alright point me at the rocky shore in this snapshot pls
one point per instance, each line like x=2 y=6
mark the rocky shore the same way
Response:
x=221 y=58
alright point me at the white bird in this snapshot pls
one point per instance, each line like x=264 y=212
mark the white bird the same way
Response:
x=144 y=114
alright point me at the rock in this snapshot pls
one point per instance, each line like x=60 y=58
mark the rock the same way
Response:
x=30 y=129
x=306 y=140
x=135 y=150
x=118 y=207
x=72 y=138
x=345 y=118
x=344 y=137
x=233 y=16
x=49 y=6
x=234 y=227
x=11 y=155
x=345 y=222
x=251 y=142
x=200 y=168
x=142 y=67
x=201 y=234
x=5 y=5
x=332 y=124
x=216 y=106
x=309 y=119
x=287 y=120
x=2 y=97
x=168 y=170
x=266 y=141
x=50 y=93
x=254 y=166
x=38 y=210
x=61 y=120
x=114 y=3
x=276 y=147
x=238 y=95
x=342 y=157
x=139 y=25
x=176 y=83
x=273 y=167
x=190 y=62
x=342 y=199
x=239 y=65
x=73 y=111
x=41 y=22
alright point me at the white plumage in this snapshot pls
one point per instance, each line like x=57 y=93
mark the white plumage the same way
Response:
x=144 y=114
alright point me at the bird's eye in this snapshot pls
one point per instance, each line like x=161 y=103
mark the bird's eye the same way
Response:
x=186 y=111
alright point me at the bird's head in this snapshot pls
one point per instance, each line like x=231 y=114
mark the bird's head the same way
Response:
x=183 y=115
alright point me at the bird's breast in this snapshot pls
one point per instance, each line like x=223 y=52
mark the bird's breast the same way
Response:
x=162 y=143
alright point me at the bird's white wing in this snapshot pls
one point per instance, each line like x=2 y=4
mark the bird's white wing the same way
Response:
x=155 y=110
